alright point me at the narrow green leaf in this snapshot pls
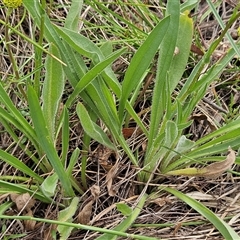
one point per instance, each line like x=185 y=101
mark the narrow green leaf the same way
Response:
x=92 y=74
x=227 y=231
x=105 y=105
x=160 y=149
x=66 y=215
x=5 y=206
x=65 y=135
x=89 y=49
x=15 y=162
x=73 y=16
x=17 y=119
x=13 y=187
x=188 y=5
x=233 y=126
x=49 y=185
x=91 y=128
x=166 y=55
x=53 y=86
x=81 y=44
x=79 y=226
x=182 y=50
x=141 y=61
x=221 y=23
x=8 y=121
x=73 y=160
x=75 y=64
x=125 y=224
x=45 y=141
x=124 y=209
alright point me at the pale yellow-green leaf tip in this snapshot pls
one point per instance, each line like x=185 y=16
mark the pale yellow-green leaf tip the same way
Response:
x=12 y=3
x=238 y=31
x=187 y=12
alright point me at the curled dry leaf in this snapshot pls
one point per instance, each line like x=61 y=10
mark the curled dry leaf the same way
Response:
x=213 y=170
x=109 y=179
x=216 y=169
x=103 y=155
x=13 y=196
x=162 y=201
x=95 y=191
x=29 y=224
x=23 y=201
x=85 y=215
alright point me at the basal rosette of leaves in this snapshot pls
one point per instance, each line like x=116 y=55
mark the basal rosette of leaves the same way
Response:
x=12 y=3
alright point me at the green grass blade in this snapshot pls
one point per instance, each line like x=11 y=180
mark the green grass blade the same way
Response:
x=104 y=104
x=136 y=118
x=92 y=129
x=226 y=231
x=75 y=65
x=18 y=120
x=65 y=135
x=233 y=126
x=182 y=50
x=44 y=139
x=73 y=16
x=114 y=17
x=5 y=206
x=15 y=162
x=49 y=185
x=124 y=209
x=166 y=54
x=52 y=90
x=80 y=226
x=13 y=187
x=141 y=61
x=123 y=226
x=8 y=122
x=92 y=74
x=195 y=88
x=66 y=215
x=81 y=44
x=87 y=48
x=188 y=5
x=220 y=21
x=73 y=160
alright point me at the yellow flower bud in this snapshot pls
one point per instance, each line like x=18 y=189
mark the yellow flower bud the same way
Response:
x=12 y=3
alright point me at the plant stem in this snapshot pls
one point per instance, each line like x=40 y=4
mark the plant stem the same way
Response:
x=39 y=51
x=32 y=42
x=10 y=54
